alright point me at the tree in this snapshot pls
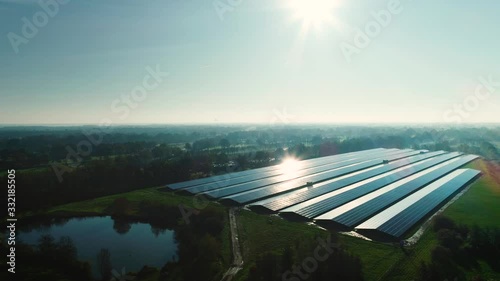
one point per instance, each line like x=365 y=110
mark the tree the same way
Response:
x=262 y=156
x=104 y=264
x=47 y=245
x=449 y=239
x=279 y=153
x=121 y=226
x=442 y=222
x=67 y=249
x=287 y=258
x=121 y=206
x=317 y=140
x=221 y=159
x=224 y=143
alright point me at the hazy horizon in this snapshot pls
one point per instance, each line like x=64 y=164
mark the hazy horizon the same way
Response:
x=494 y=124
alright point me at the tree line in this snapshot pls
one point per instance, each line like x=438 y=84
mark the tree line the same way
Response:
x=308 y=259
x=460 y=248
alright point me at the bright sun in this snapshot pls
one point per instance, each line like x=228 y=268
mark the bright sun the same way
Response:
x=314 y=12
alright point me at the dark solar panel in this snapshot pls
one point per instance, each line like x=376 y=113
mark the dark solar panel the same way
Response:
x=397 y=224
x=287 y=186
x=185 y=184
x=328 y=204
x=265 y=178
x=366 y=210
x=302 y=196
x=345 y=190
x=239 y=188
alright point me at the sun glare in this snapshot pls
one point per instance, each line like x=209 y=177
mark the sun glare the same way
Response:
x=289 y=167
x=314 y=12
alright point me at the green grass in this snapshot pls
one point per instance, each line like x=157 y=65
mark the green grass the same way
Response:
x=99 y=205
x=377 y=258
x=260 y=233
x=406 y=266
x=28 y=170
x=481 y=204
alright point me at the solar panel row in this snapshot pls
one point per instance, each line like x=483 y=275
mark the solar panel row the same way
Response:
x=294 y=175
x=275 y=189
x=311 y=193
x=310 y=210
x=395 y=221
x=379 y=192
x=280 y=175
x=363 y=210
x=185 y=184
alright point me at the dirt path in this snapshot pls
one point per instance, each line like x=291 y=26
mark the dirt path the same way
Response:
x=237 y=258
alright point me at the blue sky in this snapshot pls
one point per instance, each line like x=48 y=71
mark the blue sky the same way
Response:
x=255 y=65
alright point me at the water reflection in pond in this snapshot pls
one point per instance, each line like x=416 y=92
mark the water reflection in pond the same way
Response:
x=131 y=245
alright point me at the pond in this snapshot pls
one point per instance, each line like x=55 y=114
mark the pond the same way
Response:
x=131 y=245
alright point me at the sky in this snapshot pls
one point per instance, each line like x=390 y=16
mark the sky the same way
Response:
x=242 y=61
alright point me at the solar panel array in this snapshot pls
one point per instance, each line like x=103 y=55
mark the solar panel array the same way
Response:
x=381 y=193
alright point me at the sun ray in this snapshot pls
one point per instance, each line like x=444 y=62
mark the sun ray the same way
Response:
x=314 y=13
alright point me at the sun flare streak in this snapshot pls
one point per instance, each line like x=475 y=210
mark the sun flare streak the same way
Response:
x=289 y=167
x=314 y=13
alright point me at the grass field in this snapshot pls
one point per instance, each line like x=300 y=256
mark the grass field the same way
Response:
x=377 y=258
x=99 y=205
x=259 y=234
x=481 y=204
x=406 y=266
x=32 y=170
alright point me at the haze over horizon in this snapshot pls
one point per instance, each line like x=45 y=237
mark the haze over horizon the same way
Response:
x=258 y=62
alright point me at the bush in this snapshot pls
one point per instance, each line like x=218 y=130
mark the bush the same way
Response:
x=442 y=222
x=121 y=206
